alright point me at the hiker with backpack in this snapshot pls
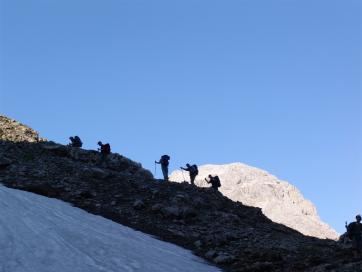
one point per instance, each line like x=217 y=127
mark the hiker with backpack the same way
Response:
x=75 y=142
x=354 y=232
x=105 y=149
x=194 y=171
x=215 y=182
x=164 y=161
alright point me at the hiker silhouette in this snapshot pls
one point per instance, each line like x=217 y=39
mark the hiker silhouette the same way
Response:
x=105 y=149
x=164 y=161
x=193 y=170
x=75 y=142
x=215 y=182
x=354 y=232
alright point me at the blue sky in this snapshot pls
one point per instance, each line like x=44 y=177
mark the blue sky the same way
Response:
x=273 y=84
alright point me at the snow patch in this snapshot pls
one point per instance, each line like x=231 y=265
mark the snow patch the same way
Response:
x=39 y=234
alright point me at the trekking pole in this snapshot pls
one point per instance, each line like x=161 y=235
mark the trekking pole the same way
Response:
x=182 y=171
x=155 y=169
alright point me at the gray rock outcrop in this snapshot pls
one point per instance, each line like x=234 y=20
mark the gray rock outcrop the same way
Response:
x=280 y=201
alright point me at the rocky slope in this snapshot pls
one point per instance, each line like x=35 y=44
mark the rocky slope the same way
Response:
x=279 y=200
x=227 y=233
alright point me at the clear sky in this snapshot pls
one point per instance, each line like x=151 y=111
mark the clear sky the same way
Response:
x=273 y=84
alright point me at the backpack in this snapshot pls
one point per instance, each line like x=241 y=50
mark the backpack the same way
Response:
x=352 y=230
x=165 y=157
x=195 y=170
x=164 y=160
x=217 y=181
x=106 y=149
x=77 y=141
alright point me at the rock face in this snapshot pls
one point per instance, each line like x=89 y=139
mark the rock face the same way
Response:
x=229 y=234
x=279 y=200
x=11 y=130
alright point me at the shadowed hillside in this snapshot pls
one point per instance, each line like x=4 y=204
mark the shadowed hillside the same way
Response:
x=229 y=234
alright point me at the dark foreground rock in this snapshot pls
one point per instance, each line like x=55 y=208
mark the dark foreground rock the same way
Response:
x=226 y=233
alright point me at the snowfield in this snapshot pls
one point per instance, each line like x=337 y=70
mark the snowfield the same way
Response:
x=39 y=234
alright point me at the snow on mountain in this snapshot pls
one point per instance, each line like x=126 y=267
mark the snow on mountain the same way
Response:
x=39 y=234
x=280 y=201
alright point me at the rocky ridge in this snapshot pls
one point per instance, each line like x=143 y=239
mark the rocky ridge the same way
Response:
x=280 y=201
x=11 y=130
x=229 y=234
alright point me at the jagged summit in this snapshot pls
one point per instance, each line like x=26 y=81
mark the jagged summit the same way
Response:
x=280 y=201
x=11 y=130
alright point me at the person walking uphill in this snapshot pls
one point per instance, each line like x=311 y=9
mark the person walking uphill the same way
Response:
x=105 y=148
x=193 y=172
x=164 y=161
x=215 y=182
x=75 y=142
x=354 y=232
